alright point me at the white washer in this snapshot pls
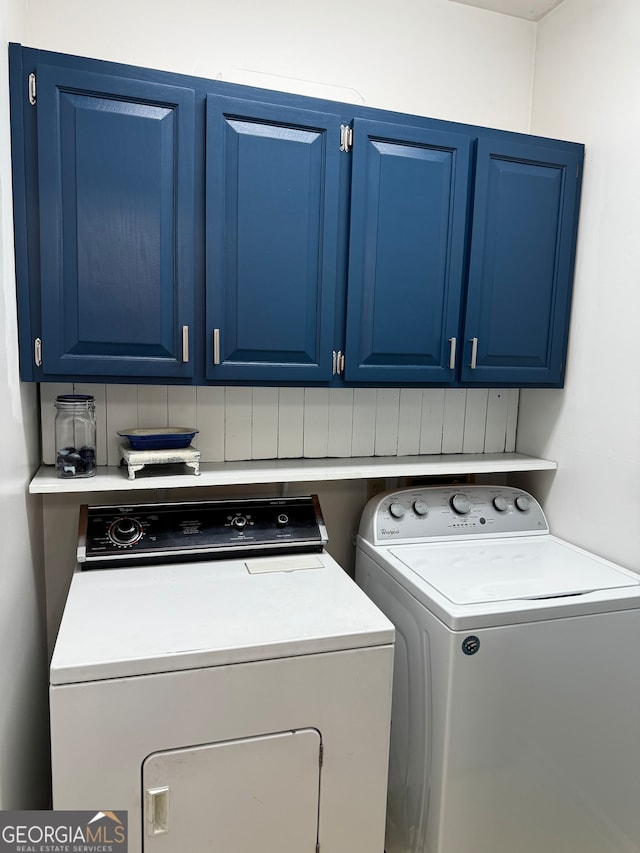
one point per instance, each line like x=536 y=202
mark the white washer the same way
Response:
x=233 y=705
x=516 y=698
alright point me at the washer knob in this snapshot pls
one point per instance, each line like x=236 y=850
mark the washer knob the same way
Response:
x=460 y=504
x=282 y=520
x=239 y=522
x=420 y=507
x=523 y=502
x=397 y=510
x=501 y=503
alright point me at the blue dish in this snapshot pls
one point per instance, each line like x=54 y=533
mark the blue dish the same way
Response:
x=158 y=439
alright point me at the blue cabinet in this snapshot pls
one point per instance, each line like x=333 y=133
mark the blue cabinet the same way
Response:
x=406 y=253
x=521 y=263
x=174 y=229
x=116 y=209
x=272 y=179
x=415 y=314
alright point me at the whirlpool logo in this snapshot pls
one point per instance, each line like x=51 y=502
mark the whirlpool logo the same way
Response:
x=63 y=832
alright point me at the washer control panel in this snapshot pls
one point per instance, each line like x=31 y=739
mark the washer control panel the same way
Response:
x=111 y=536
x=449 y=512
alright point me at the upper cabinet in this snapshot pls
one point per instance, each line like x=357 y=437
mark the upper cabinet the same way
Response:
x=272 y=180
x=173 y=229
x=116 y=223
x=521 y=263
x=406 y=253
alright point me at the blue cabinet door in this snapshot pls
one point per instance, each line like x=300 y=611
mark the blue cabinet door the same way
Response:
x=521 y=263
x=271 y=233
x=116 y=197
x=406 y=257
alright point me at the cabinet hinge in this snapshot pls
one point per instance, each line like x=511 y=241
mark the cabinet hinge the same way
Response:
x=346 y=137
x=37 y=352
x=32 y=89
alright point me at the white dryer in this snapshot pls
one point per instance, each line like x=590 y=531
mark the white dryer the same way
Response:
x=516 y=697
x=222 y=679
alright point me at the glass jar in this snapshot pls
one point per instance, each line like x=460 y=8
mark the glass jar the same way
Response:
x=75 y=428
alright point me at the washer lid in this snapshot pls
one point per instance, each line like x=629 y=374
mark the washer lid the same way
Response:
x=528 y=568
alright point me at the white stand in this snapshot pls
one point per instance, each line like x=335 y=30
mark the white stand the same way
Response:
x=137 y=459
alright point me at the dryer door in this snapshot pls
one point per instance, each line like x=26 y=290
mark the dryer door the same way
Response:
x=237 y=796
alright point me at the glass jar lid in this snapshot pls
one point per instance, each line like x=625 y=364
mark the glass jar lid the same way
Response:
x=73 y=401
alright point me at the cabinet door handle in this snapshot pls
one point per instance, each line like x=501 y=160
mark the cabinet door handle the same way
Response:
x=157 y=810
x=185 y=343
x=216 y=346
x=474 y=353
x=452 y=353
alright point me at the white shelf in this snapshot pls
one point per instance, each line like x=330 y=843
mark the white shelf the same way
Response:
x=113 y=479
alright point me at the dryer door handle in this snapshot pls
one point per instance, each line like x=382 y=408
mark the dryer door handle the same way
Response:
x=157 y=810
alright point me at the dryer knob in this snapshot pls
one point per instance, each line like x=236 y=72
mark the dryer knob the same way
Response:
x=460 y=504
x=523 y=502
x=125 y=531
x=397 y=510
x=420 y=507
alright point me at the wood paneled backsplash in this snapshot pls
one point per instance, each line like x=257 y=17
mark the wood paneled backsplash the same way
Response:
x=240 y=423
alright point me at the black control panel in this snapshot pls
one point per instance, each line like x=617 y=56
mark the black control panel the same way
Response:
x=118 y=536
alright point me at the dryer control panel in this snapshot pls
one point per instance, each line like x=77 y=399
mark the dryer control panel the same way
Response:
x=112 y=536
x=451 y=512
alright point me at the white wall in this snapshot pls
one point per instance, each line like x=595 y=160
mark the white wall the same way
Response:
x=429 y=57
x=23 y=677
x=586 y=88
x=237 y=423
